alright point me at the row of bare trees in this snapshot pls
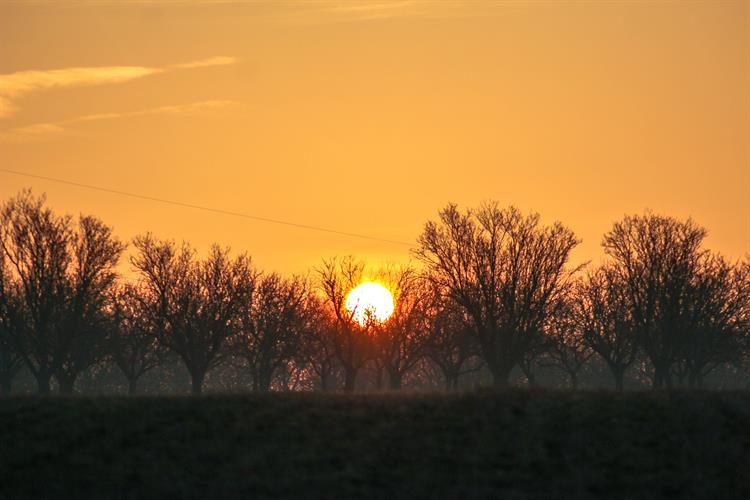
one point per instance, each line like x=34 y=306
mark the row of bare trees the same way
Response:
x=659 y=293
x=56 y=273
x=495 y=291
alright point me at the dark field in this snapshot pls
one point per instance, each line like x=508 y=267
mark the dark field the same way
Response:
x=478 y=445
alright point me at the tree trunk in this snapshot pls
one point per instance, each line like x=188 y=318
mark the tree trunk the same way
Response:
x=530 y=377
x=350 y=377
x=500 y=374
x=451 y=380
x=662 y=376
x=681 y=378
x=695 y=379
x=395 y=380
x=500 y=381
x=197 y=383
x=132 y=386
x=574 y=381
x=67 y=383
x=619 y=376
x=42 y=382
x=658 y=380
x=264 y=383
x=324 y=380
x=6 y=382
x=379 y=378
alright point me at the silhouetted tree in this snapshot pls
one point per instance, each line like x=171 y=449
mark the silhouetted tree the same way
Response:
x=82 y=340
x=497 y=289
x=133 y=341
x=350 y=341
x=10 y=358
x=272 y=327
x=657 y=259
x=401 y=340
x=319 y=344
x=602 y=312
x=35 y=241
x=291 y=376
x=196 y=303
x=714 y=326
x=505 y=269
x=64 y=272
x=744 y=319
x=568 y=349
x=538 y=348
x=451 y=343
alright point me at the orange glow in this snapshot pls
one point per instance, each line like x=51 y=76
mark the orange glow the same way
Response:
x=370 y=116
x=370 y=301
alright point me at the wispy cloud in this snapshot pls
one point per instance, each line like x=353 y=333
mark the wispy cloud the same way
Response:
x=297 y=11
x=38 y=131
x=14 y=86
x=370 y=6
x=338 y=10
x=202 y=63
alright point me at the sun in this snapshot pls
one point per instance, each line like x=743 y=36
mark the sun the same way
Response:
x=369 y=301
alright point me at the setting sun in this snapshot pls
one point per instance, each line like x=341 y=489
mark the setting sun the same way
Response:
x=406 y=248
x=370 y=300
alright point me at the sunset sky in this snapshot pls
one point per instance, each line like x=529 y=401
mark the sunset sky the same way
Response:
x=368 y=117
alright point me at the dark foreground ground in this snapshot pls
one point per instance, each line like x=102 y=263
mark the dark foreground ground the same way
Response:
x=480 y=445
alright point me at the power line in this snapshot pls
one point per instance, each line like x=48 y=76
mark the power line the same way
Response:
x=204 y=208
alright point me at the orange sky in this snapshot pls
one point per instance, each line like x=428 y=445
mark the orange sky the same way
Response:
x=369 y=116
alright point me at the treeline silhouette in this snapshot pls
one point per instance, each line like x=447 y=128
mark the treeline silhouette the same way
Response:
x=495 y=296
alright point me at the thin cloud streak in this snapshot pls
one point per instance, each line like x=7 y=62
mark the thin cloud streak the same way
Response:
x=368 y=7
x=21 y=83
x=203 y=63
x=298 y=11
x=39 y=131
x=375 y=10
x=17 y=85
x=338 y=11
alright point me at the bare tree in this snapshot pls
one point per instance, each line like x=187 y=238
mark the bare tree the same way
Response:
x=272 y=327
x=451 y=342
x=401 y=340
x=319 y=344
x=10 y=357
x=743 y=317
x=505 y=269
x=64 y=272
x=82 y=336
x=196 y=303
x=535 y=356
x=133 y=341
x=715 y=325
x=568 y=349
x=602 y=312
x=35 y=242
x=657 y=259
x=350 y=341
